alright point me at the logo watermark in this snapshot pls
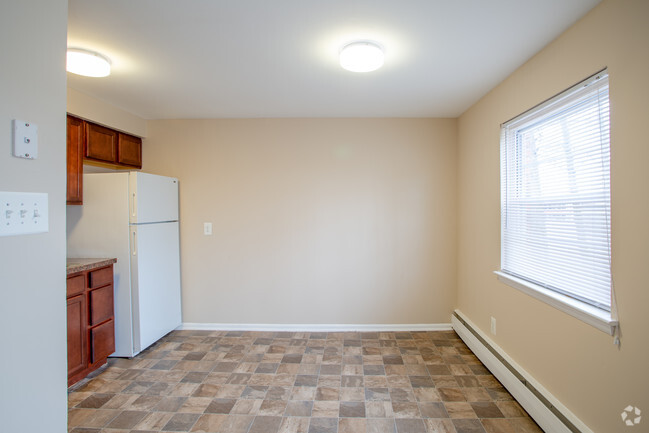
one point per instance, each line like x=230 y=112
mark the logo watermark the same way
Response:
x=631 y=416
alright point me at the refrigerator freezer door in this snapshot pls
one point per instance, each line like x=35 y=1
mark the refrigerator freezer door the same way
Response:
x=152 y=198
x=155 y=282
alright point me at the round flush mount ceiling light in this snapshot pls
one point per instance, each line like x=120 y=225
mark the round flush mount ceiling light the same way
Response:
x=362 y=56
x=87 y=63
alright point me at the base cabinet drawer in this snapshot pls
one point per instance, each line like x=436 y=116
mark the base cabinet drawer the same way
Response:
x=76 y=285
x=102 y=341
x=100 y=277
x=101 y=304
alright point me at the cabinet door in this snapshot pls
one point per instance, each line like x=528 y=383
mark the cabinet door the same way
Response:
x=101 y=143
x=129 y=150
x=75 y=135
x=77 y=325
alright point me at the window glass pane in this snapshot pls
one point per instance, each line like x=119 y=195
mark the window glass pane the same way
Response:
x=556 y=194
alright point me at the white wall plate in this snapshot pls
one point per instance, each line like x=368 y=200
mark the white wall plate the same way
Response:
x=23 y=213
x=25 y=136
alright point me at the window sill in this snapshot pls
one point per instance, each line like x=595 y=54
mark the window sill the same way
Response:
x=586 y=313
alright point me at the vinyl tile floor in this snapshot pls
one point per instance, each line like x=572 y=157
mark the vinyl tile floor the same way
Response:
x=298 y=382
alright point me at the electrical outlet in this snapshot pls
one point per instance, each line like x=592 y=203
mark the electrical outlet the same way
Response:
x=493 y=325
x=207 y=229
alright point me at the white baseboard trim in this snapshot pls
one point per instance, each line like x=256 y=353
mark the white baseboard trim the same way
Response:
x=548 y=412
x=290 y=327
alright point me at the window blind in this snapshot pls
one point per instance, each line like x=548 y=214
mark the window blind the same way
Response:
x=555 y=194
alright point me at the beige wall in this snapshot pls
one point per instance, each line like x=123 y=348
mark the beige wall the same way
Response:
x=33 y=367
x=96 y=110
x=313 y=218
x=577 y=363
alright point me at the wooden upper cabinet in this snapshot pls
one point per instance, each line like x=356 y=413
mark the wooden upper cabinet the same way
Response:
x=75 y=136
x=97 y=145
x=129 y=150
x=101 y=143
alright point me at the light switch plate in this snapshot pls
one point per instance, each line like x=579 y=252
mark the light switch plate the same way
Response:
x=23 y=213
x=25 y=138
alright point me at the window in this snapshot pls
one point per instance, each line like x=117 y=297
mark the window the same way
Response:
x=555 y=202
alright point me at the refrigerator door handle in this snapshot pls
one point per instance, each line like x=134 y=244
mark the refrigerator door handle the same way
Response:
x=134 y=252
x=134 y=206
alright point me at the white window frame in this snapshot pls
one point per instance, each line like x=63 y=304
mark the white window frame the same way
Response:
x=601 y=319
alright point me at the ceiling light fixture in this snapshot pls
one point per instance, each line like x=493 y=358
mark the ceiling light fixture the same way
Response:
x=87 y=63
x=362 y=56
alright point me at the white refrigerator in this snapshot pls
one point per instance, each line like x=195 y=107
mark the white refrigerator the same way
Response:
x=133 y=217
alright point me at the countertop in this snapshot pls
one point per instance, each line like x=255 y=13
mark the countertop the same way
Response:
x=75 y=265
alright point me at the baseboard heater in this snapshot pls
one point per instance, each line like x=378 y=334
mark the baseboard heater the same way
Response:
x=542 y=406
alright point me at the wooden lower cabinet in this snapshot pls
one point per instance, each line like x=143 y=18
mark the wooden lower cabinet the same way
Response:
x=77 y=324
x=91 y=321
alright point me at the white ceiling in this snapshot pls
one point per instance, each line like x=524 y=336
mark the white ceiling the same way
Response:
x=265 y=58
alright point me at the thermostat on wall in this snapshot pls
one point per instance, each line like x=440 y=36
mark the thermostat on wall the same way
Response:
x=25 y=139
